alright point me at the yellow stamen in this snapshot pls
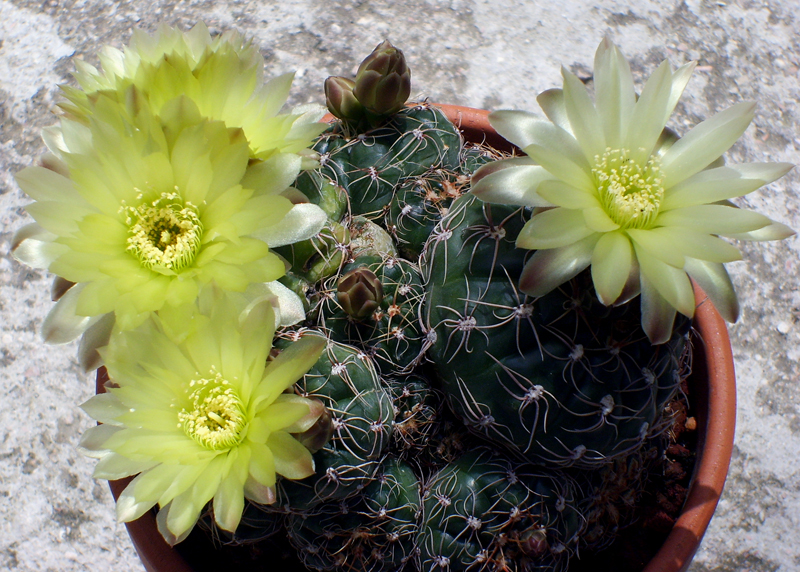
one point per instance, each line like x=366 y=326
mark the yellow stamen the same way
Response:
x=216 y=418
x=630 y=193
x=165 y=233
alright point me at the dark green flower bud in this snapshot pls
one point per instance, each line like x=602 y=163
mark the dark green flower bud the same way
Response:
x=383 y=81
x=340 y=99
x=360 y=293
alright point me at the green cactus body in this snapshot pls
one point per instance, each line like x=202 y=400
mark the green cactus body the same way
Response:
x=418 y=204
x=372 y=532
x=427 y=140
x=474 y=155
x=333 y=149
x=417 y=408
x=391 y=333
x=323 y=192
x=483 y=513
x=560 y=380
x=318 y=257
x=344 y=379
x=370 y=165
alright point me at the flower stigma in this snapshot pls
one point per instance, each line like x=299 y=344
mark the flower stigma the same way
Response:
x=631 y=194
x=216 y=419
x=165 y=233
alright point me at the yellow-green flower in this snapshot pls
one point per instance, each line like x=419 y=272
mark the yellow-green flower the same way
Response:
x=146 y=209
x=645 y=209
x=198 y=412
x=222 y=76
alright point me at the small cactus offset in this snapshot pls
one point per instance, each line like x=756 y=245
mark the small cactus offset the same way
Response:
x=385 y=322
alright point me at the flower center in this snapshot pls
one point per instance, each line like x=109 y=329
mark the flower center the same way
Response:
x=165 y=233
x=216 y=417
x=630 y=193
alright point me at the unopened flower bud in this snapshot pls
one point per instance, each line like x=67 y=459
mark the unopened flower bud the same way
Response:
x=360 y=293
x=340 y=99
x=383 y=81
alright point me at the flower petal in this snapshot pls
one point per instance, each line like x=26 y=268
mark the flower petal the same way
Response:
x=648 y=117
x=680 y=79
x=113 y=467
x=773 y=231
x=284 y=412
x=34 y=246
x=290 y=307
x=302 y=222
x=510 y=182
x=597 y=219
x=611 y=266
x=258 y=493
x=553 y=228
x=705 y=142
x=561 y=194
x=701 y=245
x=138 y=497
x=548 y=269
x=93 y=440
x=290 y=365
x=229 y=498
x=262 y=464
x=655 y=245
x=104 y=408
x=658 y=315
x=572 y=169
x=274 y=175
x=714 y=219
x=181 y=516
x=62 y=324
x=163 y=528
x=42 y=184
x=292 y=460
x=722 y=183
x=715 y=282
x=614 y=94
x=583 y=116
x=552 y=103
x=670 y=282
x=518 y=127
x=545 y=141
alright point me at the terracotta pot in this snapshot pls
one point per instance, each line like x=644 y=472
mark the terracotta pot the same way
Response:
x=712 y=385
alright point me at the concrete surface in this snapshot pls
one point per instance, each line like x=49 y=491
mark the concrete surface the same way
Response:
x=479 y=53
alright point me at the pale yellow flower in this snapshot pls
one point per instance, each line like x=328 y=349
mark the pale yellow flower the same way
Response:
x=646 y=210
x=148 y=209
x=223 y=76
x=198 y=412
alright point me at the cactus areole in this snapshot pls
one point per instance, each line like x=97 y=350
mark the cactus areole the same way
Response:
x=559 y=381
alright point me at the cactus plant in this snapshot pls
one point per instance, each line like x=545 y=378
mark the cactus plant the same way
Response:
x=513 y=418
x=473 y=404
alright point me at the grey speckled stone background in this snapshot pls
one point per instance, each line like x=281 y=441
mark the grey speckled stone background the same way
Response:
x=480 y=53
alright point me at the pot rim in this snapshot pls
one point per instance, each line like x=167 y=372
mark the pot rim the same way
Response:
x=716 y=419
